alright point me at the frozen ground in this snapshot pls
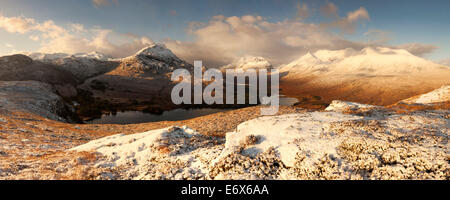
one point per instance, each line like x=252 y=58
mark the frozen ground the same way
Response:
x=439 y=95
x=374 y=144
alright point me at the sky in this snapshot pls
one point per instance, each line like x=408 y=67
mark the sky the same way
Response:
x=222 y=31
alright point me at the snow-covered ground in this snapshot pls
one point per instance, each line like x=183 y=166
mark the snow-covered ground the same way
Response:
x=310 y=145
x=181 y=151
x=343 y=106
x=439 y=95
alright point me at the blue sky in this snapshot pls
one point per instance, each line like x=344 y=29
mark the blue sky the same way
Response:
x=403 y=21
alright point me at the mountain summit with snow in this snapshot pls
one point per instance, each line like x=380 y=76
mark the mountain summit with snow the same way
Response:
x=249 y=62
x=157 y=51
x=82 y=65
x=369 y=61
x=155 y=59
x=373 y=75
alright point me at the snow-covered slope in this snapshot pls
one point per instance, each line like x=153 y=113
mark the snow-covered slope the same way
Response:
x=82 y=65
x=374 y=75
x=369 y=61
x=249 y=62
x=153 y=60
x=46 y=57
x=441 y=94
x=94 y=55
x=158 y=51
x=169 y=146
x=308 y=145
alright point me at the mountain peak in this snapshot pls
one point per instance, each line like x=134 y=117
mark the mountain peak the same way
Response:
x=370 y=60
x=250 y=62
x=159 y=51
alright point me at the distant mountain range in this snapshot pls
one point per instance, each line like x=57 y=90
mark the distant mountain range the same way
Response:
x=379 y=76
x=374 y=75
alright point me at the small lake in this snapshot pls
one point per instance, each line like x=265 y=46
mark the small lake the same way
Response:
x=136 y=117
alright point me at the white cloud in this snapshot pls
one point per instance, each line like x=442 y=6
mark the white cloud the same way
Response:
x=348 y=23
x=17 y=24
x=74 y=38
x=34 y=37
x=223 y=40
x=77 y=28
x=7 y=45
x=100 y=42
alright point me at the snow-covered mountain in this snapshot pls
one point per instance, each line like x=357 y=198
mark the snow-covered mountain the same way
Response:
x=144 y=76
x=155 y=59
x=374 y=75
x=82 y=65
x=249 y=62
x=95 y=55
x=370 y=61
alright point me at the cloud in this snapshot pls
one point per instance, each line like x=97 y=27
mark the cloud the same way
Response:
x=348 y=23
x=100 y=42
x=377 y=37
x=7 y=45
x=417 y=48
x=302 y=11
x=224 y=39
x=77 y=28
x=445 y=62
x=217 y=42
x=74 y=38
x=100 y=3
x=329 y=10
x=17 y=24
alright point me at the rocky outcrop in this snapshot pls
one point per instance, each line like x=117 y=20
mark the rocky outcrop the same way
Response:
x=35 y=97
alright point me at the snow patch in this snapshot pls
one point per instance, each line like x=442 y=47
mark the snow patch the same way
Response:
x=341 y=106
x=156 y=151
x=287 y=134
x=441 y=94
x=249 y=62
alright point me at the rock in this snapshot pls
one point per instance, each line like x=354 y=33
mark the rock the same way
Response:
x=35 y=97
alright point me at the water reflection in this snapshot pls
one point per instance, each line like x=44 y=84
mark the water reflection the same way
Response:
x=136 y=117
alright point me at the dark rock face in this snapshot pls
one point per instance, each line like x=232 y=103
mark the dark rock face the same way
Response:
x=37 y=98
x=84 y=68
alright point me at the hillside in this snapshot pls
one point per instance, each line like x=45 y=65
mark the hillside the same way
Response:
x=81 y=65
x=379 y=76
